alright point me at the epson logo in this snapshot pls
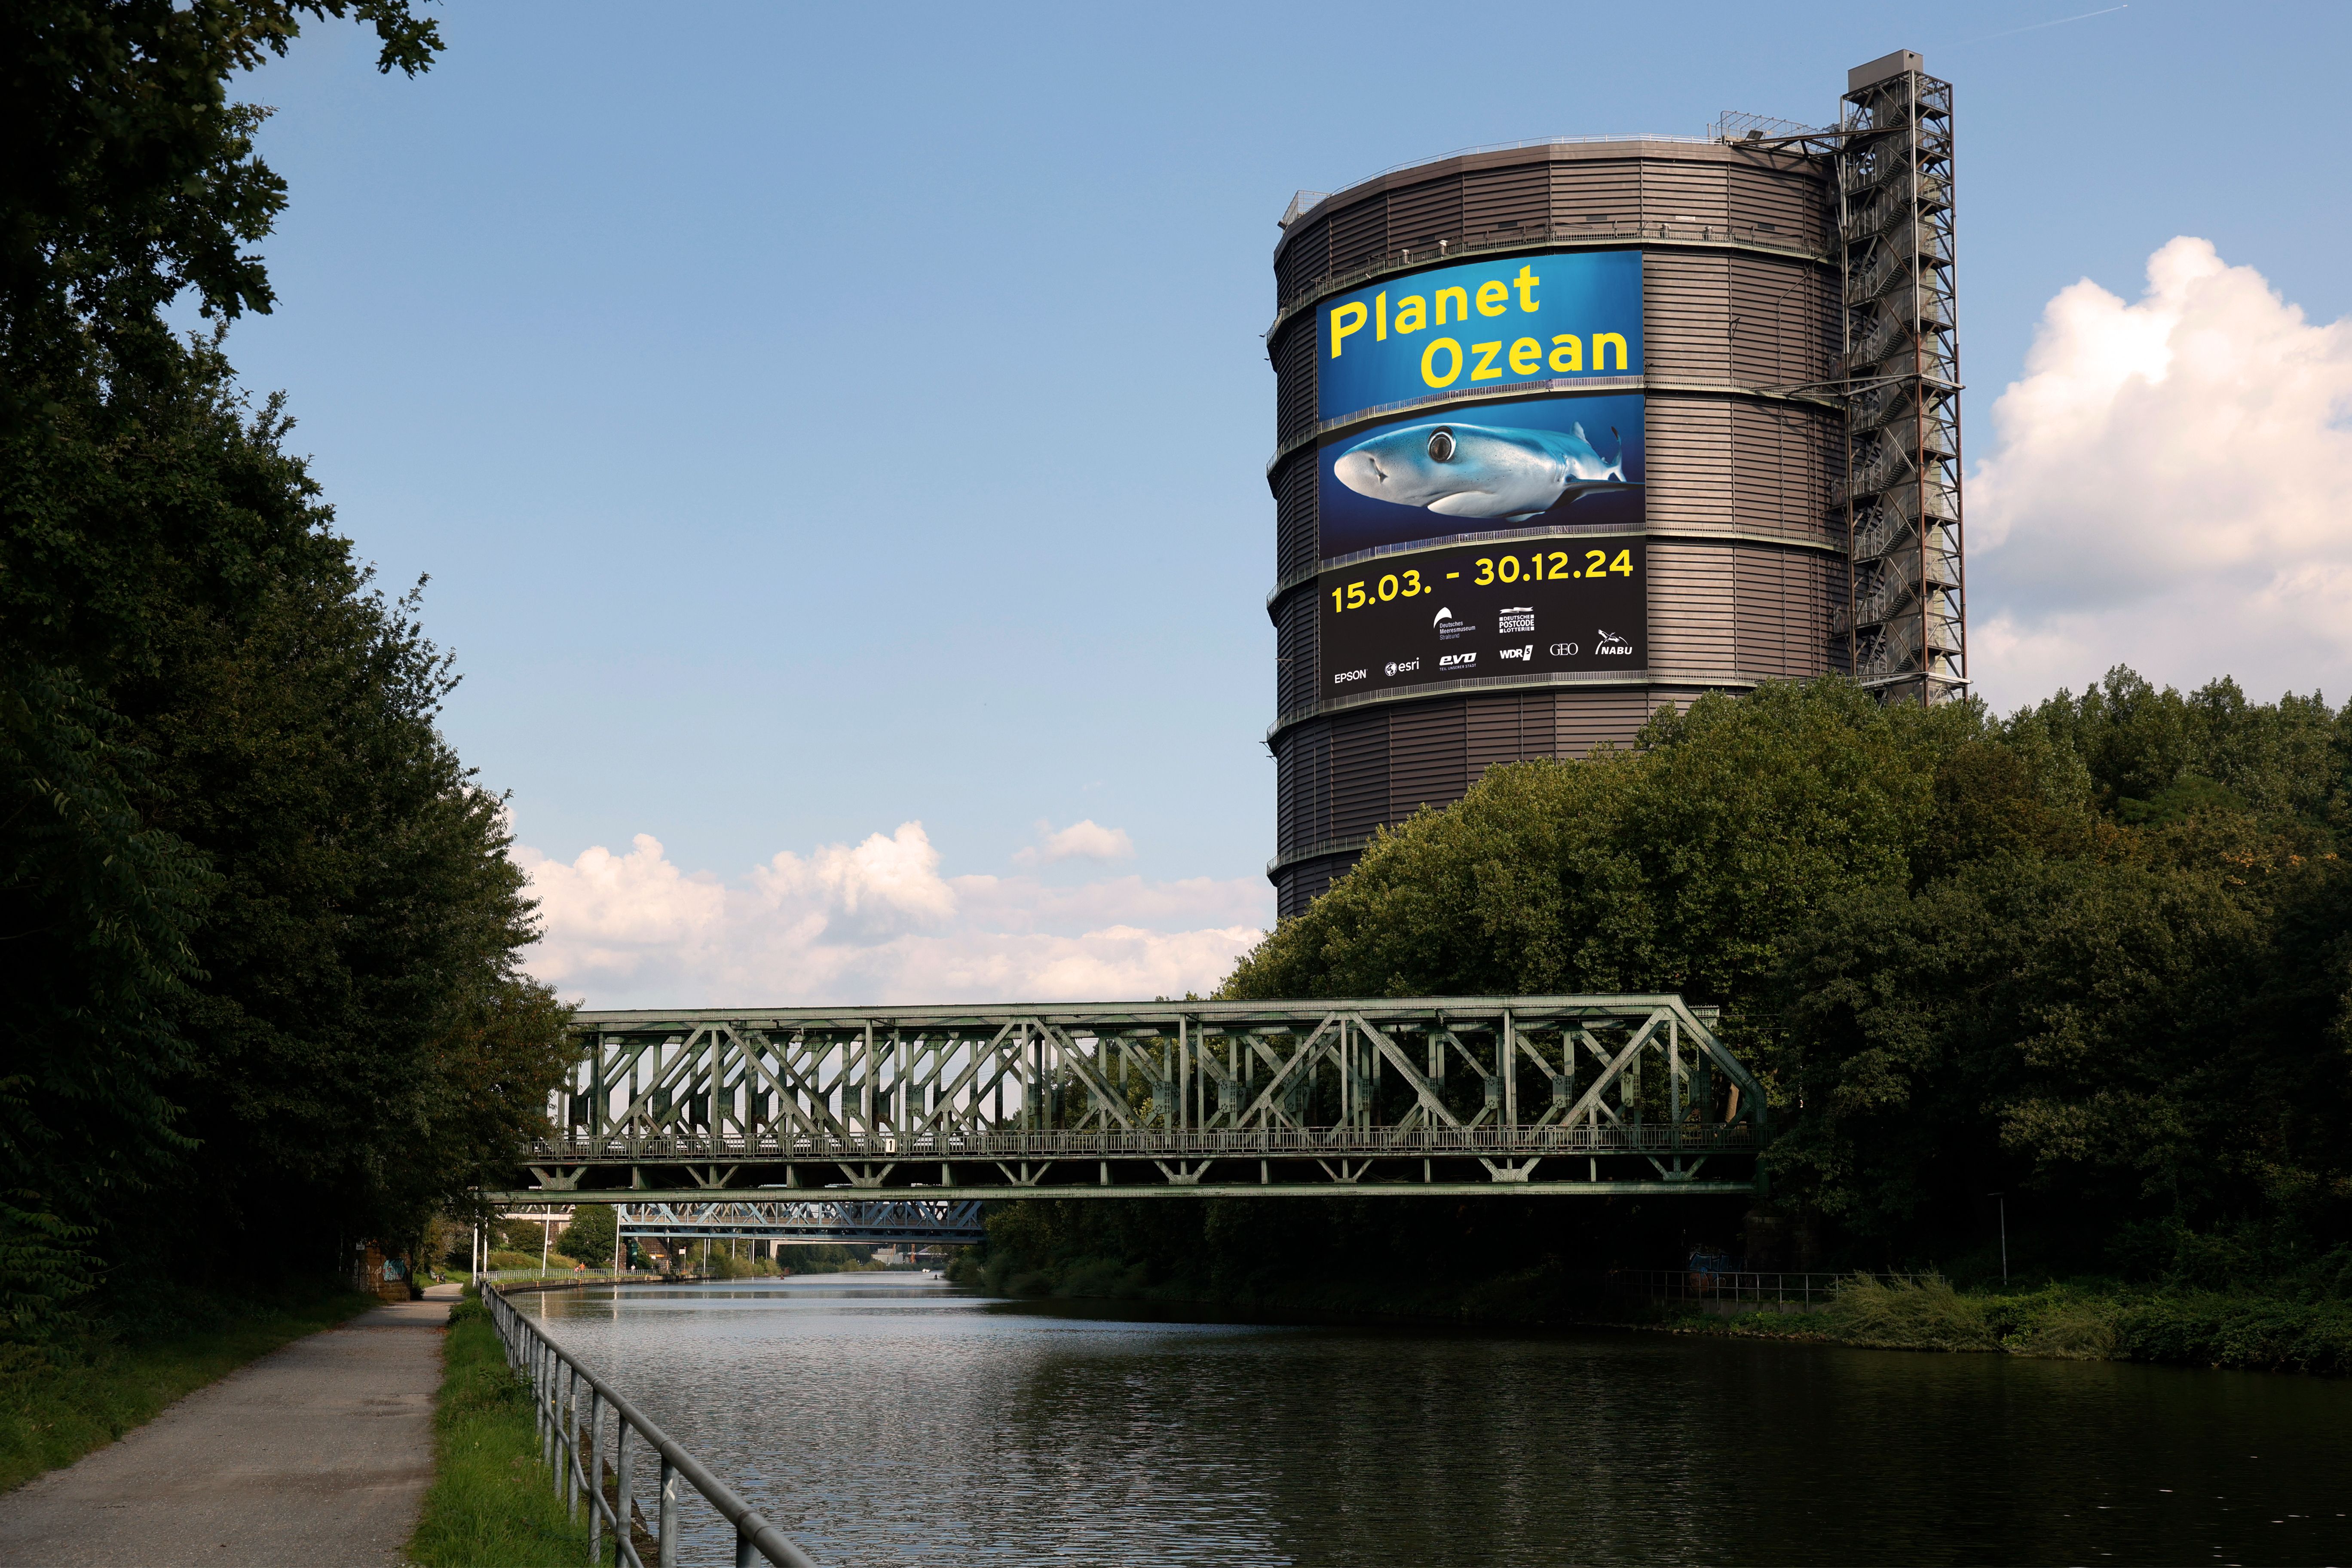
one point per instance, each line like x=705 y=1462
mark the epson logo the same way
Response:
x=1526 y=652
x=1346 y=675
x=1456 y=660
x=1403 y=667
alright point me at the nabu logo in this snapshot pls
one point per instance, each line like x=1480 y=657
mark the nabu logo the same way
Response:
x=1611 y=644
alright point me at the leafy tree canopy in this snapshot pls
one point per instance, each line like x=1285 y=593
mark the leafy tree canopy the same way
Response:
x=2099 y=951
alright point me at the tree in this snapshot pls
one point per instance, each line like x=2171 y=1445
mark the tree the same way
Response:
x=591 y=1235
x=266 y=930
x=2098 y=955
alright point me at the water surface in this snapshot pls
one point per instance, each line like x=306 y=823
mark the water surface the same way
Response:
x=881 y=1420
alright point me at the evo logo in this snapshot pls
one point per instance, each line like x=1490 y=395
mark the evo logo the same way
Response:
x=1456 y=660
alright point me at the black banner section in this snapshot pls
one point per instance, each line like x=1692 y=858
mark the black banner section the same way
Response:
x=1529 y=607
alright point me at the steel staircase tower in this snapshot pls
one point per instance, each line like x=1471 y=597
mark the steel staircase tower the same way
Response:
x=1906 y=617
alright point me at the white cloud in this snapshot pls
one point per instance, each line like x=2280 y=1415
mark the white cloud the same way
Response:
x=2170 y=487
x=1084 y=840
x=875 y=922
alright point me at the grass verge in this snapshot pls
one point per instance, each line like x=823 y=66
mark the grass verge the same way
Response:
x=492 y=1501
x=59 y=1403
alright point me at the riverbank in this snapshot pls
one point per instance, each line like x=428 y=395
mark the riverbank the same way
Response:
x=67 y=1399
x=492 y=1500
x=2283 y=1330
x=2096 y=1321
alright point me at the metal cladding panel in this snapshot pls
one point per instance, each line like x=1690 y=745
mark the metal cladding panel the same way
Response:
x=1694 y=596
x=1296 y=660
x=1296 y=523
x=1587 y=720
x=1494 y=202
x=1421 y=215
x=1358 y=234
x=1305 y=256
x=1690 y=462
x=1360 y=773
x=1782 y=199
x=1295 y=886
x=1496 y=731
x=1685 y=192
x=1302 y=766
x=1762 y=589
x=1596 y=193
x=1428 y=757
x=1781 y=456
x=1294 y=398
x=1686 y=315
x=1783 y=327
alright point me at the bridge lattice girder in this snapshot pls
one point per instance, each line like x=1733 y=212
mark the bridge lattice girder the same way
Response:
x=1608 y=1094
x=876 y=1222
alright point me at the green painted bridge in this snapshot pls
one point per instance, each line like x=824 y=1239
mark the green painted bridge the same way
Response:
x=1584 y=1096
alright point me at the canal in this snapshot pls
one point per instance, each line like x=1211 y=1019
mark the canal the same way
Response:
x=881 y=1419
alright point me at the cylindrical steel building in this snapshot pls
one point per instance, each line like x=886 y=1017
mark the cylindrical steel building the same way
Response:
x=1555 y=446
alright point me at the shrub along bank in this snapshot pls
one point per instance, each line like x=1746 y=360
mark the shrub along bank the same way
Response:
x=1442 y=1260
x=2093 y=1321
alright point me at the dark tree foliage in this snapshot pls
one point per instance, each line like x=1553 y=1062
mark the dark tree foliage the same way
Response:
x=259 y=925
x=2098 y=956
x=591 y=1235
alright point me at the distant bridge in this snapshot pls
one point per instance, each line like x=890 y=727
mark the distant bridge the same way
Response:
x=1602 y=1094
x=882 y=1223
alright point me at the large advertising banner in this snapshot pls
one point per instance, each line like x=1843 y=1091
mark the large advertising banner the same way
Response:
x=1485 y=409
x=1463 y=612
x=1527 y=323
x=1478 y=469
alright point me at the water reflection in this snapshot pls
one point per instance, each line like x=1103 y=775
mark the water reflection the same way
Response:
x=893 y=1423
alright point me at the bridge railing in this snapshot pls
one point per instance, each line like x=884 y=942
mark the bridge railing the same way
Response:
x=571 y=1444
x=1641 y=1138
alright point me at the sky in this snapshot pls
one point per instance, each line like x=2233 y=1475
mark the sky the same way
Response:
x=835 y=435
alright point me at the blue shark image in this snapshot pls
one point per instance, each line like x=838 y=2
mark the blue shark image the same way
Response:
x=1478 y=470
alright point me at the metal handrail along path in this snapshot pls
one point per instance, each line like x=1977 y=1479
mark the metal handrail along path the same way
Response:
x=556 y=1380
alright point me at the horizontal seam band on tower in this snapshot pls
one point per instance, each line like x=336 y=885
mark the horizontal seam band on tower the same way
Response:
x=1321 y=850
x=1483 y=685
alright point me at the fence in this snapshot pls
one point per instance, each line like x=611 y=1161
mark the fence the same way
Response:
x=1672 y=1286
x=572 y=1444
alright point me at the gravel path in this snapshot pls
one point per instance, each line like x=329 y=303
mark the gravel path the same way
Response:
x=317 y=1454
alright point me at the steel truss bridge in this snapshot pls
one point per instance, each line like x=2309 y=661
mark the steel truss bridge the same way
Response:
x=887 y=1222
x=1602 y=1095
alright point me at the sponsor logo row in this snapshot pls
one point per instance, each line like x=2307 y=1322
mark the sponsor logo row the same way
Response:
x=1608 y=645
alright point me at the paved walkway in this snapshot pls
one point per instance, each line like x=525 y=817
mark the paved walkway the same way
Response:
x=317 y=1454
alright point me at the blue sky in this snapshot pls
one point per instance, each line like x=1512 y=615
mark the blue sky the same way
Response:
x=818 y=419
